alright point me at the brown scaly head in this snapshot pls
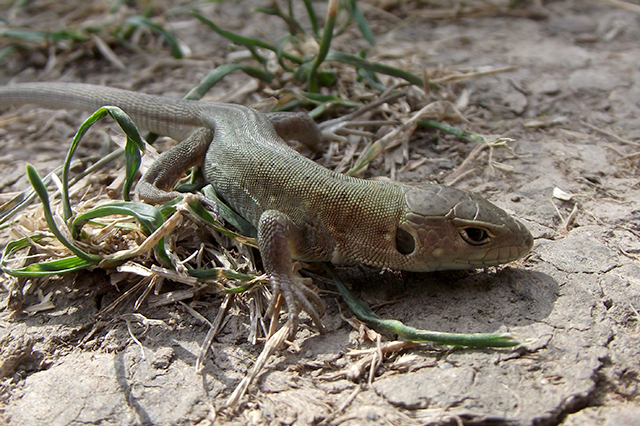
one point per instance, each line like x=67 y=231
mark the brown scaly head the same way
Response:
x=446 y=228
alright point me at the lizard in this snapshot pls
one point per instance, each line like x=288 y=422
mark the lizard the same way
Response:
x=301 y=210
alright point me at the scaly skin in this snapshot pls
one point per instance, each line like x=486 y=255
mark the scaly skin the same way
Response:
x=302 y=210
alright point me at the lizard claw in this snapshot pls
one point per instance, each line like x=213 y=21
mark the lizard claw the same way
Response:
x=298 y=296
x=210 y=205
x=329 y=130
x=276 y=235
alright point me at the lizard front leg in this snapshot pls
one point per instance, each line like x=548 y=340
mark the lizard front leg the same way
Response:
x=277 y=235
x=156 y=186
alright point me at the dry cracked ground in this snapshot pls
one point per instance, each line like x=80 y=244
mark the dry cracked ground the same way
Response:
x=573 y=108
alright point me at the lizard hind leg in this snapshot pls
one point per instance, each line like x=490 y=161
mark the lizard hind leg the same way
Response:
x=298 y=126
x=276 y=234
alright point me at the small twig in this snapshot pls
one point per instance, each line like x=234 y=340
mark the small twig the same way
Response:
x=213 y=331
x=329 y=419
x=196 y=315
x=631 y=156
x=108 y=53
x=152 y=284
x=124 y=295
x=270 y=346
x=369 y=356
x=384 y=143
x=635 y=311
x=571 y=218
x=459 y=77
x=133 y=337
x=558 y=212
x=565 y=223
x=274 y=315
x=455 y=176
x=611 y=135
x=622 y=5
x=332 y=126
x=461 y=176
x=378 y=356
x=373 y=105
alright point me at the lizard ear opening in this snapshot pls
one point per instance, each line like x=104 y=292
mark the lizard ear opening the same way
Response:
x=405 y=243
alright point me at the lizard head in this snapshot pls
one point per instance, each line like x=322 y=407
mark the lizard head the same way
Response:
x=446 y=228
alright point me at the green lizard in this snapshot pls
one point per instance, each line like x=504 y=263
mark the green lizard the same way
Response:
x=301 y=210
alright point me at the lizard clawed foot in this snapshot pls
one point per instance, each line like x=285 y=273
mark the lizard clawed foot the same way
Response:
x=210 y=205
x=298 y=296
x=277 y=235
x=332 y=130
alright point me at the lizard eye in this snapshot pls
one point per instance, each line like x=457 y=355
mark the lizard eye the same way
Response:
x=475 y=236
x=405 y=243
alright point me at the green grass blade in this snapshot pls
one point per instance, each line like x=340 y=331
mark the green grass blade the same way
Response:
x=63 y=35
x=320 y=102
x=223 y=70
x=328 y=101
x=34 y=36
x=280 y=52
x=229 y=215
x=367 y=156
x=364 y=313
x=16 y=245
x=6 y=51
x=66 y=203
x=462 y=134
x=313 y=17
x=21 y=201
x=133 y=159
x=133 y=147
x=198 y=210
x=294 y=26
x=58 y=266
x=25 y=35
x=245 y=41
x=127 y=125
x=362 y=23
x=325 y=44
x=41 y=190
x=149 y=217
x=368 y=76
x=376 y=67
x=143 y=21
x=54 y=267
